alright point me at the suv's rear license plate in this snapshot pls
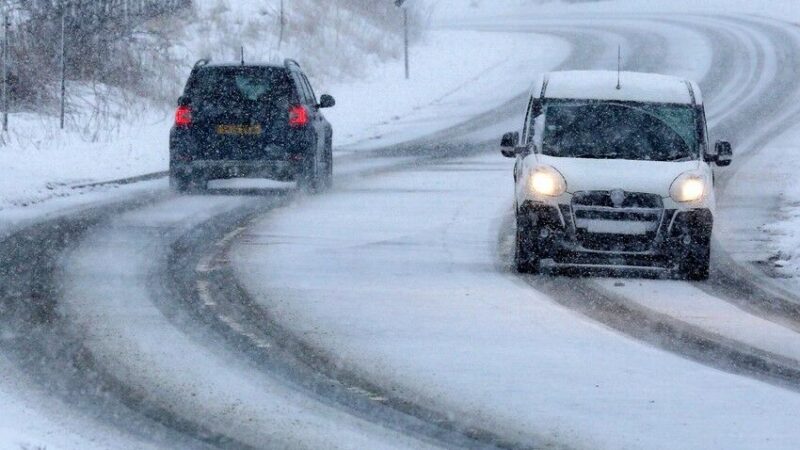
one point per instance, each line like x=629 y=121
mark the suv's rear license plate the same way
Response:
x=239 y=130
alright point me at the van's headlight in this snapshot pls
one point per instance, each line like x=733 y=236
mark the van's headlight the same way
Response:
x=547 y=181
x=687 y=188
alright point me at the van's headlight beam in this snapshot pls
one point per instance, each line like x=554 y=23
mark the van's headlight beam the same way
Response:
x=687 y=188
x=547 y=181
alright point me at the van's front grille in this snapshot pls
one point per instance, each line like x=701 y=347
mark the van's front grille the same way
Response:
x=606 y=199
x=617 y=221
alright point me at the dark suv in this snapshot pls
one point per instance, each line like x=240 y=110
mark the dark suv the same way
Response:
x=237 y=120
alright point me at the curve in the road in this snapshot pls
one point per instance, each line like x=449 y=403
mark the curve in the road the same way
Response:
x=588 y=50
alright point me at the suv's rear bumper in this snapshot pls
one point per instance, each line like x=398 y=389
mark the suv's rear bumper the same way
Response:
x=283 y=170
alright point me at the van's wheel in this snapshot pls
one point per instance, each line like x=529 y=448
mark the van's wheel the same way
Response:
x=526 y=258
x=696 y=262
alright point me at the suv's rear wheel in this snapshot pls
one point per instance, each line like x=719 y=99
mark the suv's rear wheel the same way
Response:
x=309 y=180
x=328 y=167
x=526 y=258
x=187 y=184
x=180 y=183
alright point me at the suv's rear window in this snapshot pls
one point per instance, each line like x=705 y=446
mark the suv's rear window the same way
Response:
x=225 y=85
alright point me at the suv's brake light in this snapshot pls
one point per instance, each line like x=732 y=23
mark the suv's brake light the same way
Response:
x=183 y=116
x=298 y=116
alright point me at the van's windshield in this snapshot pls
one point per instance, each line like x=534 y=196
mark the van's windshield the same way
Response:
x=610 y=130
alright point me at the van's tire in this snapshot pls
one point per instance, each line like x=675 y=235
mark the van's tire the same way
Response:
x=526 y=257
x=696 y=263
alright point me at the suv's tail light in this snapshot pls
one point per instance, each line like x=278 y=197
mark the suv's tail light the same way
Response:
x=298 y=116
x=183 y=116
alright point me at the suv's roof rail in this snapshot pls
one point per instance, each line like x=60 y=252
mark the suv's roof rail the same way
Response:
x=202 y=62
x=290 y=62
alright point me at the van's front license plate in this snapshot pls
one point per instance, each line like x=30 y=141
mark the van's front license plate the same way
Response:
x=239 y=130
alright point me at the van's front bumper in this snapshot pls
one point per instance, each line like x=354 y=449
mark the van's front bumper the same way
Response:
x=564 y=240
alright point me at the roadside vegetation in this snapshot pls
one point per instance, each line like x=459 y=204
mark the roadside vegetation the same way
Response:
x=124 y=55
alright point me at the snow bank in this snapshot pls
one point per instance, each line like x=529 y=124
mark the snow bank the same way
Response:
x=767 y=197
x=39 y=161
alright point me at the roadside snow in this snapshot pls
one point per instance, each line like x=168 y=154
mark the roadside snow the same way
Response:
x=785 y=232
x=40 y=162
x=769 y=204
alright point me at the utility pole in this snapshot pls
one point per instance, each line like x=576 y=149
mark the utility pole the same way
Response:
x=282 y=25
x=6 y=28
x=63 y=66
x=405 y=39
x=399 y=4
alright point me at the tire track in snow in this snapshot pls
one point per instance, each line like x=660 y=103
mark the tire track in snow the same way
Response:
x=52 y=352
x=209 y=289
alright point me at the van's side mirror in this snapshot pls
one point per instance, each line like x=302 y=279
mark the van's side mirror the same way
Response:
x=184 y=100
x=724 y=153
x=326 y=101
x=509 y=143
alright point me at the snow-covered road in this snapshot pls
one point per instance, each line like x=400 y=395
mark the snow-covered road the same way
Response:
x=411 y=295
x=384 y=314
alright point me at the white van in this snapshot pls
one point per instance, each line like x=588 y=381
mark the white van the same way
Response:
x=614 y=170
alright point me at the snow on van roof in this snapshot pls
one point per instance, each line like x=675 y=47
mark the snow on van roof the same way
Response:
x=634 y=86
